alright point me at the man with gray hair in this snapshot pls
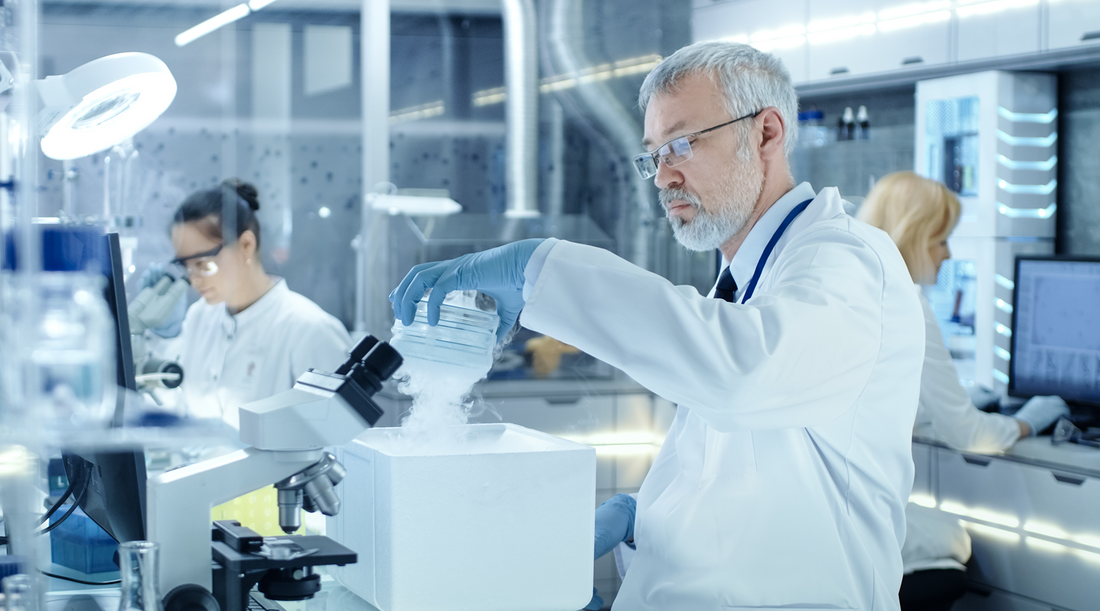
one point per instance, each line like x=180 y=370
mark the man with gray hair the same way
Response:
x=783 y=480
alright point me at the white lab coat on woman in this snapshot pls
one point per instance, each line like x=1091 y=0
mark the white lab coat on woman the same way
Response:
x=229 y=360
x=945 y=411
x=783 y=480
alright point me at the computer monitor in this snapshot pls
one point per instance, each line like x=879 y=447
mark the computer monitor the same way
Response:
x=114 y=497
x=1056 y=329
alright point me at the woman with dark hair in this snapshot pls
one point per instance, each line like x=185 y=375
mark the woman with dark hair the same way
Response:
x=249 y=336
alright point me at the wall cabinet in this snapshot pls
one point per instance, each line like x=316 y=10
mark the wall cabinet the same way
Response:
x=1072 y=23
x=820 y=40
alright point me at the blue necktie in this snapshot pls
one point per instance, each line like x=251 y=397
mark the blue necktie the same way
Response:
x=726 y=288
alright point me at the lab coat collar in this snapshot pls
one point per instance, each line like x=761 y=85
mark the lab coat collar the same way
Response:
x=258 y=310
x=744 y=262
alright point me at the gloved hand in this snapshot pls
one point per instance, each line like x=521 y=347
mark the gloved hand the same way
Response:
x=595 y=603
x=172 y=325
x=1041 y=412
x=614 y=522
x=497 y=272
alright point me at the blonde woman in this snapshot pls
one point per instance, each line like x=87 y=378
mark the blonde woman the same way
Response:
x=919 y=214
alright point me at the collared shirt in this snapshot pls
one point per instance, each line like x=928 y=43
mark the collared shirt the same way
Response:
x=784 y=476
x=229 y=360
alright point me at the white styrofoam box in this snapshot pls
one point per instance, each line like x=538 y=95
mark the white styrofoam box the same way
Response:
x=440 y=528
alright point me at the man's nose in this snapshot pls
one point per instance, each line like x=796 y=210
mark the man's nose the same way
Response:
x=667 y=177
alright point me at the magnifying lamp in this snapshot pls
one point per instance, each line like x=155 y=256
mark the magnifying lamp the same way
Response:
x=102 y=103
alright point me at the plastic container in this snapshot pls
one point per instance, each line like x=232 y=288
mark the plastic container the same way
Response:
x=444 y=527
x=80 y=544
x=811 y=128
x=465 y=336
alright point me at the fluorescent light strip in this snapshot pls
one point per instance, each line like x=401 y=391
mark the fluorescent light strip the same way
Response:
x=1046 y=189
x=1021 y=141
x=1008 y=527
x=905 y=22
x=843 y=22
x=783 y=32
x=843 y=34
x=1041 y=166
x=1003 y=330
x=1001 y=352
x=415 y=113
x=1000 y=376
x=993 y=7
x=1027 y=213
x=224 y=18
x=913 y=9
x=1002 y=305
x=1005 y=282
x=1028 y=117
x=781 y=43
x=256 y=5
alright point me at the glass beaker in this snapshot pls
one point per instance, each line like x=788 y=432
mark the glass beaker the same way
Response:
x=65 y=335
x=20 y=593
x=138 y=563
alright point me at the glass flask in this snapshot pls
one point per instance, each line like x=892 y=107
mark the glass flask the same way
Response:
x=66 y=336
x=465 y=336
x=138 y=563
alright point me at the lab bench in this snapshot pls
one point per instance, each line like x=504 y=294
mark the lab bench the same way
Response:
x=1031 y=515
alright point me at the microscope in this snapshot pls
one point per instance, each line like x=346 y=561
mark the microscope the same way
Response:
x=149 y=310
x=287 y=434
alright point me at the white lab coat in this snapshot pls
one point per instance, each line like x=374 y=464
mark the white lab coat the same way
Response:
x=230 y=360
x=945 y=411
x=784 y=477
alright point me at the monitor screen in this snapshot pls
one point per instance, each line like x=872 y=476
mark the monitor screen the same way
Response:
x=1056 y=329
x=113 y=481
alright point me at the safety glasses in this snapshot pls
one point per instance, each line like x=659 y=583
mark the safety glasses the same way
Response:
x=202 y=263
x=675 y=152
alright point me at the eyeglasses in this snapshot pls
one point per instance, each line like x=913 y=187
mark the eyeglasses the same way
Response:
x=202 y=263
x=674 y=152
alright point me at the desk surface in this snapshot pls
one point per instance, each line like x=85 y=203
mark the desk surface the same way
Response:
x=1039 y=451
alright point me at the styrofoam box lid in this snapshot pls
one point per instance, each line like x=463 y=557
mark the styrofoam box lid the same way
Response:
x=490 y=438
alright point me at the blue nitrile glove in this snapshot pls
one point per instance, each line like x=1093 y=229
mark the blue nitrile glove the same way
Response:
x=497 y=272
x=1041 y=412
x=614 y=523
x=595 y=603
x=172 y=326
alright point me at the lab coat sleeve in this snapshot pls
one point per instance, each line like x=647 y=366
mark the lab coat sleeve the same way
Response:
x=323 y=345
x=798 y=354
x=947 y=406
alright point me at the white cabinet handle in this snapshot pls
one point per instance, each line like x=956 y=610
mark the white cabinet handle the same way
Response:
x=1068 y=479
x=1090 y=35
x=975 y=460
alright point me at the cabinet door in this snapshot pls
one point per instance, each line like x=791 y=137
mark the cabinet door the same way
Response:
x=912 y=34
x=1033 y=530
x=1072 y=23
x=999 y=601
x=775 y=26
x=1012 y=30
x=840 y=35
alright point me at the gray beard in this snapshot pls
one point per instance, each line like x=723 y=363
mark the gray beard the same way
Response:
x=710 y=229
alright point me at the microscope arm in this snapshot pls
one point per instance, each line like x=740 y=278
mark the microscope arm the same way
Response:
x=179 y=504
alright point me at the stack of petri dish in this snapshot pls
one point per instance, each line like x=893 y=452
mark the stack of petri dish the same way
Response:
x=465 y=336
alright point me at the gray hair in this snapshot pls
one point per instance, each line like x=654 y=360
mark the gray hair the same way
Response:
x=751 y=80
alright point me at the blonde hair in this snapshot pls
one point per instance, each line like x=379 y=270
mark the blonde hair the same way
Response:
x=916 y=212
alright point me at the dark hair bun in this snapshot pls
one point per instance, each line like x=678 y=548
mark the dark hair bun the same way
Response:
x=245 y=191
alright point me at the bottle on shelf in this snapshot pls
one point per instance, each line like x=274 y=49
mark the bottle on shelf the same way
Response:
x=864 y=123
x=849 y=123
